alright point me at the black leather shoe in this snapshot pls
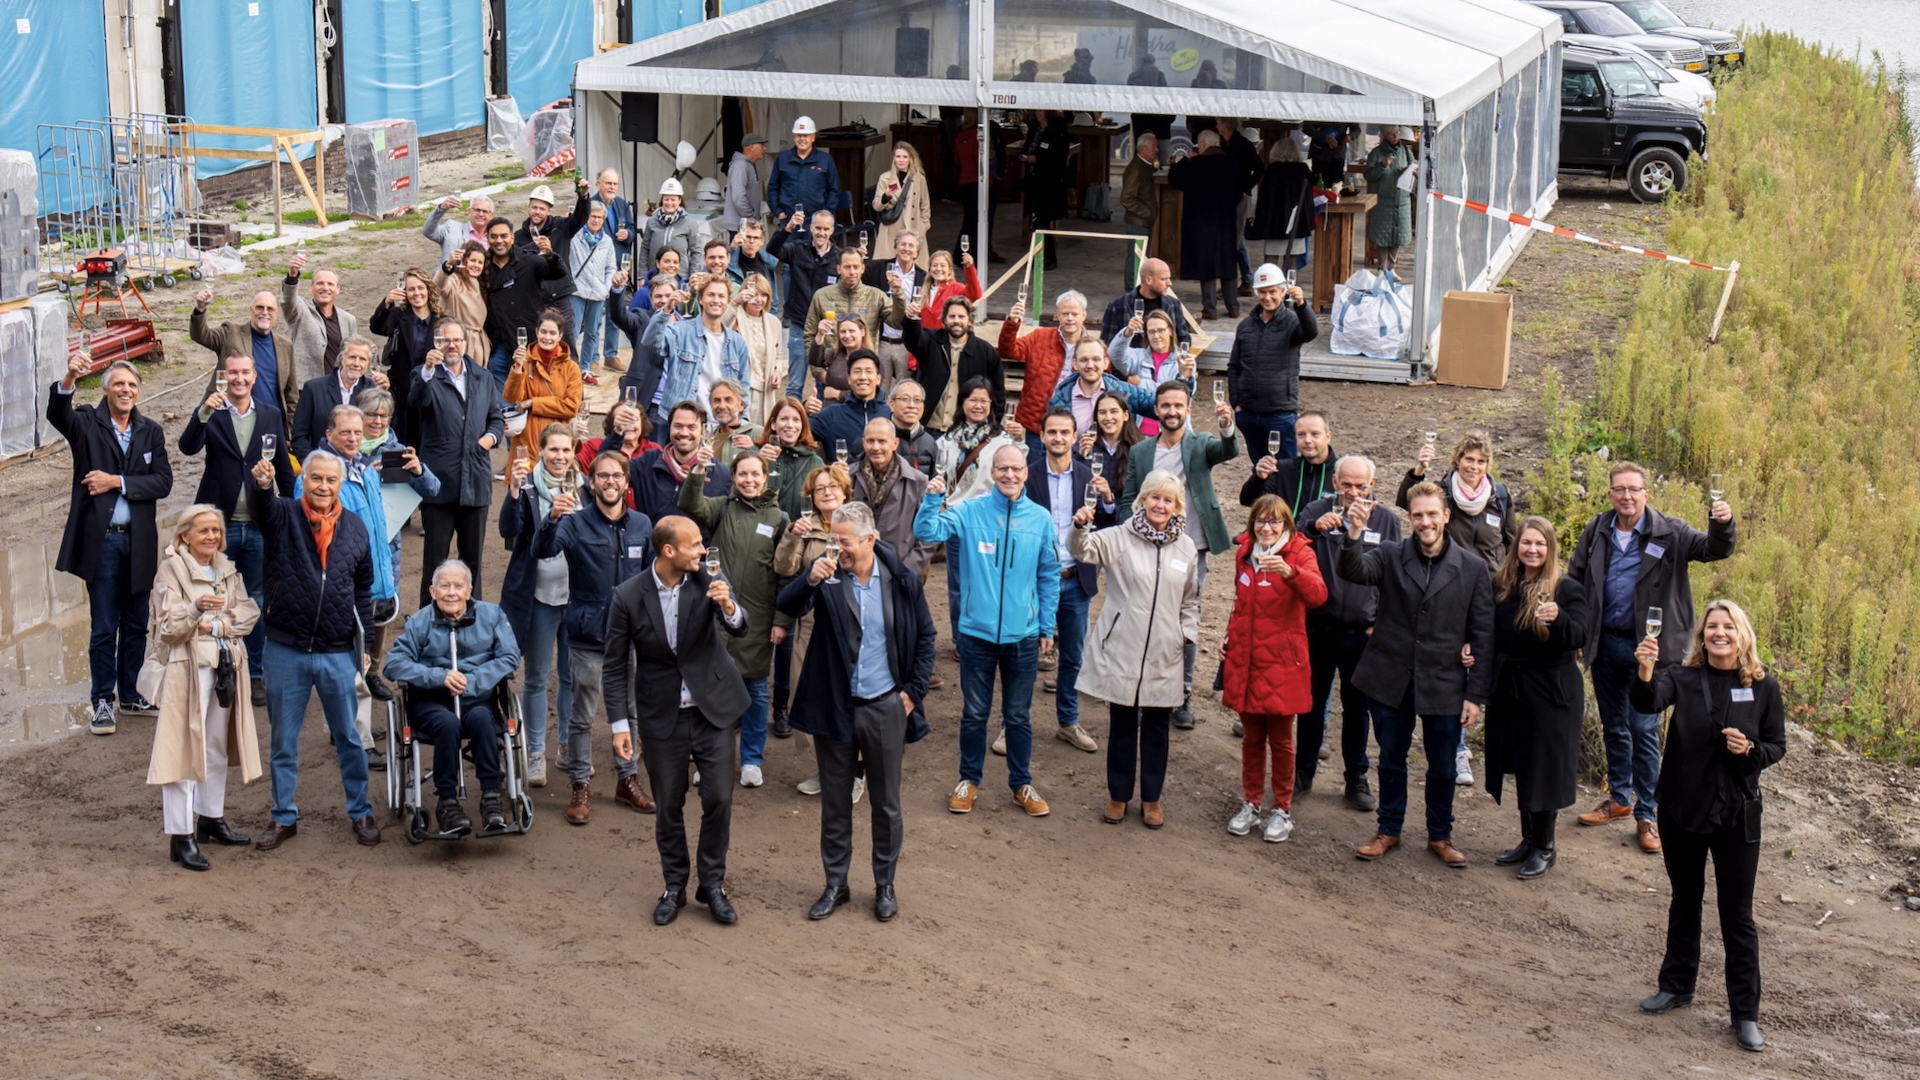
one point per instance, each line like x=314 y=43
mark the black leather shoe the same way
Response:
x=1360 y=796
x=378 y=688
x=1747 y=1034
x=276 y=834
x=1302 y=786
x=885 y=907
x=452 y=818
x=258 y=691
x=366 y=831
x=216 y=830
x=376 y=761
x=668 y=909
x=1514 y=854
x=1663 y=1001
x=1538 y=863
x=493 y=812
x=782 y=726
x=829 y=902
x=183 y=850
x=715 y=897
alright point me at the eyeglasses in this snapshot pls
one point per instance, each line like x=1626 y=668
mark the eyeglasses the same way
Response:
x=1267 y=523
x=378 y=415
x=1628 y=490
x=1009 y=468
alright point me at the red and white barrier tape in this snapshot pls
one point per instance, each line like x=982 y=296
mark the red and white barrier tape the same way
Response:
x=1555 y=230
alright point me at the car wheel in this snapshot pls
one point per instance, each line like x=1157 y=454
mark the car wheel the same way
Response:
x=1654 y=172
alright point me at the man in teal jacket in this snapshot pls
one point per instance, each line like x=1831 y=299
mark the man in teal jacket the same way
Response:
x=1009 y=595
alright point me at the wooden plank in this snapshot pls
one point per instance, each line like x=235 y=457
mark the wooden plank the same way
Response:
x=241 y=155
x=297 y=135
x=300 y=174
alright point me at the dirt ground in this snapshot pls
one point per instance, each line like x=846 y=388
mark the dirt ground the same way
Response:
x=1053 y=947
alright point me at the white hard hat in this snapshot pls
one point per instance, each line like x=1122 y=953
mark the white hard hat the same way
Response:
x=803 y=126
x=542 y=193
x=1268 y=275
x=708 y=188
x=670 y=186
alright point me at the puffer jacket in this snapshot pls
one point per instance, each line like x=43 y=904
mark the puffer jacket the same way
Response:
x=686 y=235
x=362 y=497
x=744 y=533
x=309 y=608
x=422 y=655
x=601 y=553
x=1009 y=564
x=1263 y=369
x=1267 y=672
x=1152 y=610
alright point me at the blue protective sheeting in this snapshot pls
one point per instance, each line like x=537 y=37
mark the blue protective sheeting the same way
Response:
x=249 y=63
x=55 y=73
x=651 y=19
x=422 y=61
x=545 y=38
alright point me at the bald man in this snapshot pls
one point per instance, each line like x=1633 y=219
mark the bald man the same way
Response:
x=1153 y=293
x=273 y=363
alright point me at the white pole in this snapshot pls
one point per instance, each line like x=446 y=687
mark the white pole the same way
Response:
x=982 y=73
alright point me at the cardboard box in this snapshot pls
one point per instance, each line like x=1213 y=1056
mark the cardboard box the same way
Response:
x=1476 y=339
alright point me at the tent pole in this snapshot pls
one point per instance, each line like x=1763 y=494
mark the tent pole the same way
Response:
x=982 y=72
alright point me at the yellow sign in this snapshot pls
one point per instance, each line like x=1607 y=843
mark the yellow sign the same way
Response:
x=1184 y=60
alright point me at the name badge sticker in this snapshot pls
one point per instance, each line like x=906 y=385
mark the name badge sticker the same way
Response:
x=147 y=457
x=634 y=551
x=1179 y=566
x=1368 y=536
x=764 y=529
x=1245 y=579
x=1493 y=521
x=1656 y=550
x=984 y=547
x=1743 y=693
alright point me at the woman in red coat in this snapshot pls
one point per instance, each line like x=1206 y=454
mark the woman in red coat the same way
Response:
x=1276 y=579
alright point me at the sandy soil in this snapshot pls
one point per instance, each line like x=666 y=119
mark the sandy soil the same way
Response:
x=1055 y=947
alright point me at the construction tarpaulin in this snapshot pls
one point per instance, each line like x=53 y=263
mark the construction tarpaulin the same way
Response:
x=423 y=60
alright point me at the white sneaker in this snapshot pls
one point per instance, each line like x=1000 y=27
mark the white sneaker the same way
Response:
x=694 y=780
x=859 y=788
x=1279 y=826
x=537 y=771
x=1242 y=822
x=1076 y=736
x=750 y=776
x=1463 y=768
x=1000 y=743
x=809 y=786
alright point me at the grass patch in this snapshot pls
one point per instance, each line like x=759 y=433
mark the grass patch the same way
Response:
x=1809 y=404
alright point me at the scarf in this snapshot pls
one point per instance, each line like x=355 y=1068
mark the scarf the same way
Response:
x=1157 y=537
x=323 y=523
x=666 y=219
x=1470 y=502
x=968 y=435
x=880 y=484
x=1261 y=551
x=674 y=468
x=545 y=487
x=370 y=447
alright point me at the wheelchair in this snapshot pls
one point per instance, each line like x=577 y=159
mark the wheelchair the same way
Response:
x=408 y=777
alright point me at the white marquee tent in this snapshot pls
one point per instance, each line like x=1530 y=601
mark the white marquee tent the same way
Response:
x=1479 y=78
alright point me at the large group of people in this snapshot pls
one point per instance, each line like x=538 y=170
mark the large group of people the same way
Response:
x=801 y=436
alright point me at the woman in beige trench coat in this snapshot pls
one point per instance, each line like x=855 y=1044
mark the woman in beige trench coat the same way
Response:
x=199 y=604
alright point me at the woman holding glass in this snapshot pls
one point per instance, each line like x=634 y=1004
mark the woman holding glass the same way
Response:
x=750 y=314
x=535 y=592
x=791 y=454
x=544 y=380
x=405 y=318
x=1533 y=721
x=196 y=672
x=462 y=284
x=1107 y=446
x=828 y=488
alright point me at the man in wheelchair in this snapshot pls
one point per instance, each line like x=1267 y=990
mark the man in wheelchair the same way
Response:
x=450 y=658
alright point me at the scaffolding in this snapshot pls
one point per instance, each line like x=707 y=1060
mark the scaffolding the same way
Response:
x=116 y=192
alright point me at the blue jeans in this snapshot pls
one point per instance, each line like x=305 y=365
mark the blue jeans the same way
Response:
x=589 y=321
x=796 y=362
x=1015 y=662
x=500 y=364
x=1439 y=734
x=295 y=674
x=1070 y=639
x=543 y=634
x=247 y=550
x=1632 y=737
x=118 y=605
x=753 y=724
x=1246 y=266
x=1253 y=427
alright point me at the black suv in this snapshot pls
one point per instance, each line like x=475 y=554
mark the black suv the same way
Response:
x=1614 y=123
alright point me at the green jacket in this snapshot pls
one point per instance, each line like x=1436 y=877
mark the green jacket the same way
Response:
x=1390 y=222
x=1200 y=452
x=794 y=465
x=744 y=533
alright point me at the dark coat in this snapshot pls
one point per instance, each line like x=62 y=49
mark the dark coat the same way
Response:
x=1349 y=605
x=978 y=357
x=144 y=469
x=1416 y=639
x=601 y=553
x=317 y=401
x=1285 y=207
x=646 y=335
x=1663 y=581
x=236 y=339
x=1488 y=533
x=1209 y=231
x=823 y=702
x=649 y=693
x=1702 y=785
x=848 y=420
x=808 y=271
x=1263 y=369
x=656 y=492
x=1041 y=492
x=1048 y=178
x=396 y=323
x=1533 y=723
x=1119 y=312
x=228 y=468
x=558 y=231
x=449 y=428
x=520 y=528
x=1296 y=480
x=515 y=291
x=308 y=608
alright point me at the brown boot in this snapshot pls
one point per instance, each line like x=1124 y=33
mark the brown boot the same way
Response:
x=630 y=792
x=1115 y=813
x=580 y=806
x=1376 y=847
x=1649 y=837
x=1152 y=815
x=1448 y=854
x=1607 y=811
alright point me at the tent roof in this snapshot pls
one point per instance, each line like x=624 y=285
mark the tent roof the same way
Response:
x=1393 y=57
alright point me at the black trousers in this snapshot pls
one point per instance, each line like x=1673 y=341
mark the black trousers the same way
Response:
x=1331 y=650
x=969 y=196
x=879 y=741
x=431 y=713
x=1136 y=735
x=1735 y=864
x=444 y=522
x=711 y=749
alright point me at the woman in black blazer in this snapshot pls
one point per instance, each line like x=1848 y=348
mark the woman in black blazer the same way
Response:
x=1533 y=722
x=1728 y=724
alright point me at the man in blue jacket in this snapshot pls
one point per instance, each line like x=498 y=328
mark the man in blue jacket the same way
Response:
x=1009 y=598
x=696 y=353
x=848 y=419
x=803 y=179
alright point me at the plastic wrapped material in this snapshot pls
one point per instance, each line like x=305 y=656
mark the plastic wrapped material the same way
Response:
x=18 y=365
x=50 y=315
x=1371 y=316
x=547 y=146
x=504 y=125
x=383 y=168
x=19 y=239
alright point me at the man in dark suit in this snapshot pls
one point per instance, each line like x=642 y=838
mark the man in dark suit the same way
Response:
x=1429 y=658
x=323 y=393
x=458 y=422
x=230 y=427
x=869 y=667
x=1060 y=487
x=686 y=698
x=120 y=473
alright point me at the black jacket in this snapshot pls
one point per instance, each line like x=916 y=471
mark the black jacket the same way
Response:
x=400 y=357
x=560 y=231
x=1426 y=613
x=308 y=608
x=515 y=291
x=1294 y=479
x=876 y=276
x=1488 y=533
x=648 y=693
x=601 y=553
x=823 y=703
x=807 y=272
x=1040 y=490
x=318 y=398
x=449 y=428
x=1285 y=207
x=1702 y=785
x=144 y=469
x=1263 y=370
x=1533 y=722
x=978 y=357
x=1349 y=605
x=1120 y=311
x=227 y=468
x=1663 y=583
x=656 y=493
x=648 y=364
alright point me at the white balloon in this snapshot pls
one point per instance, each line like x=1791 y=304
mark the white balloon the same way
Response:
x=684 y=155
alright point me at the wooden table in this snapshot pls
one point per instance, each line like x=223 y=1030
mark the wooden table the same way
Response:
x=850 y=158
x=1333 y=246
x=1164 y=242
x=1096 y=157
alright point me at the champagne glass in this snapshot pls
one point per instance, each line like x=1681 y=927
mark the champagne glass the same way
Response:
x=832 y=315
x=1292 y=281
x=713 y=564
x=1139 y=308
x=220 y=387
x=1219 y=391
x=1432 y=437
x=1093 y=497
x=626 y=267
x=1273 y=444
x=839 y=451
x=863 y=241
x=523 y=461
x=1012 y=408
x=1716 y=489
x=520 y=337
x=268 y=444
x=1099 y=467
x=1020 y=298
x=832 y=554
x=1653 y=622
x=572 y=485
x=966 y=244
x=630 y=395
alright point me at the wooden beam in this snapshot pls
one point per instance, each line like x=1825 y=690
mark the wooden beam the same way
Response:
x=313 y=200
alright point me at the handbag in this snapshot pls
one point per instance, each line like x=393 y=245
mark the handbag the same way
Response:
x=223 y=676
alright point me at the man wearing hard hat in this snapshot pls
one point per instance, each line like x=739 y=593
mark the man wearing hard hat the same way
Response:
x=542 y=221
x=670 y=227
x=803 y=179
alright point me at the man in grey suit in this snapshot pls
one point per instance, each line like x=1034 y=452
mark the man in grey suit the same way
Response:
x=686 y=698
